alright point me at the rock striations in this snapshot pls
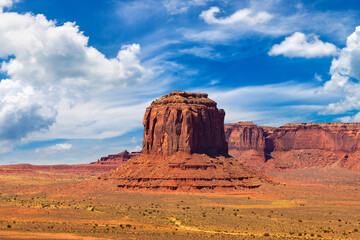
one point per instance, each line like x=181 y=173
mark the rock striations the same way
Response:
x=116 y=159
x=295 y=146
x=184 y=149
x=184 y=122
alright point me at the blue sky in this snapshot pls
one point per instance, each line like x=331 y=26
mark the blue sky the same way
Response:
x=76 y=76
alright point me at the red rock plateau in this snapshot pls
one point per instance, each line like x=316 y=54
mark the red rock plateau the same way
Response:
x=295 y=146
x=116 y=159
x=184 y=149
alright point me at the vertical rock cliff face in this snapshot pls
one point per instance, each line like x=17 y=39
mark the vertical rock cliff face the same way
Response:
x=294 y=146
x=186 y=122
x=325 y=136
x=245 y=136
x=185 y=149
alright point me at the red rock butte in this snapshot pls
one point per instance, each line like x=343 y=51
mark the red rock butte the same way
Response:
x=185 y=122
x=184 y=149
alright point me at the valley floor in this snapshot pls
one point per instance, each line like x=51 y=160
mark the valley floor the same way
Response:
x=55 y=204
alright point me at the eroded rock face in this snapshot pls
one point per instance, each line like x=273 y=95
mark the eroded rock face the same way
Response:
x=185 y=172
x=325 y=136
x=184 y=149
x=185 y=122
x=245 y=136
x=295 y=146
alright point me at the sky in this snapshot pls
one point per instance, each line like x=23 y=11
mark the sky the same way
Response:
x=77 y=76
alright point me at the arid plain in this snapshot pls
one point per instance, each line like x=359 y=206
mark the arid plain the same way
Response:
x=58 y=204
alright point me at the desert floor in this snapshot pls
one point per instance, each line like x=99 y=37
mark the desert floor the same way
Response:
x=58 y=204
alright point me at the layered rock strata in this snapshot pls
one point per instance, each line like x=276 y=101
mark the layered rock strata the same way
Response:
x=184 y=149
x=185 y=122
x=116 y=159
x=294 y=146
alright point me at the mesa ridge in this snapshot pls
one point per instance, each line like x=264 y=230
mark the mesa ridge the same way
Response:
x=295 y=145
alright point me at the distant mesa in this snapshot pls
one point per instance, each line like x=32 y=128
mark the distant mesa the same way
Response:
x=184 y=149
x=116 y=159
x=295 y=146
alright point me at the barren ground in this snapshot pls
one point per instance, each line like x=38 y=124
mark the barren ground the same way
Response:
x=58 y=204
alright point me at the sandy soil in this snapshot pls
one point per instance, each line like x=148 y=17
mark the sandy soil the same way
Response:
x=55 y=204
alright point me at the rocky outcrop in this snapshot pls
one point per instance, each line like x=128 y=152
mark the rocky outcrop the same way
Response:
x=116 y=159
x=186 y=122
x=245 y=136
x=185 y=172
x=294 y=146
x=184 y=149
x=343 y=137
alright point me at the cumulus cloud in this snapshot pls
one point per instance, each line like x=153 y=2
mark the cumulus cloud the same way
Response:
x=246 y=15
x=56 y=84
x=301 y=45
x=345 y=81
x=46 y=53
x=22 y=110
x=6 y=4
x=345 y=78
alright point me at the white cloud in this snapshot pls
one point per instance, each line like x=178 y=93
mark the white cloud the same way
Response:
x=181 y=6
x=318 y=77
x=209 y=36
x=23 y=110
x=93 y=119
x=246 y=15
x=202 y=52
x=345 y=77
x=58 y=86
x=270 y=18
x=301 y=45
x=6 y=4
x=50 y=54
x=273 y=105
x=214 y=82
x=136 y=149
x=55 y=148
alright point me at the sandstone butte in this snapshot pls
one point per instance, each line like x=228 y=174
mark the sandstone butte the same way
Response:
x=295 y=146
x=184 y=149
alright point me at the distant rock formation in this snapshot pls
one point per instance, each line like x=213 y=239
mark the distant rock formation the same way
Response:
x=343 y=137
x=245 y=136
x=184 y=149
x=116 y=159
x=186 y=122
x=294 y=146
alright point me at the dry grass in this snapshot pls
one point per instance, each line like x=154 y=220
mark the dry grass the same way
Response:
x=69 y=206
